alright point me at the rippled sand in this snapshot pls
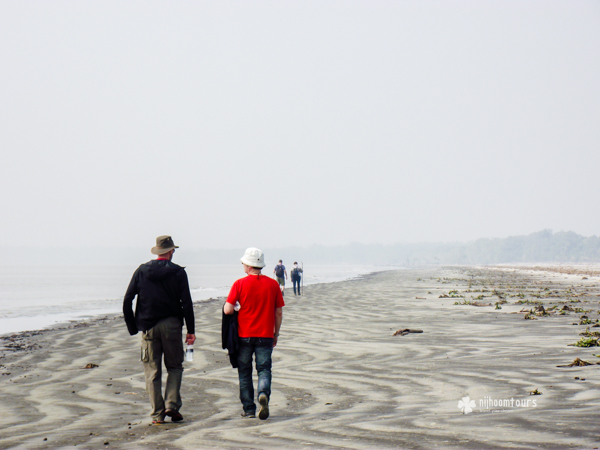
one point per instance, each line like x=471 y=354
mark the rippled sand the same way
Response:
x=340 y=379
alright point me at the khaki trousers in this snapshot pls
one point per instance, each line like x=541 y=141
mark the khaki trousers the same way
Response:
x=165 y=338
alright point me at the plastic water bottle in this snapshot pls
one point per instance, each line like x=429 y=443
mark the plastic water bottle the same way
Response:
x=189 y=353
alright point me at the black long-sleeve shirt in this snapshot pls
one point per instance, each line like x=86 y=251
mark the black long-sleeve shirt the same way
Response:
x=162 y=291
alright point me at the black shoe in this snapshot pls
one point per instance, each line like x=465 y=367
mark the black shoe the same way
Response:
x=174 y=415
x=263 y=400
x=248 y=415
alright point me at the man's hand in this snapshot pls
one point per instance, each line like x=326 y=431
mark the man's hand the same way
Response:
x=190 y=339
x=275 y=340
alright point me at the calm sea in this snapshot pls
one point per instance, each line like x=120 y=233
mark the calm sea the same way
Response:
x=36 y=297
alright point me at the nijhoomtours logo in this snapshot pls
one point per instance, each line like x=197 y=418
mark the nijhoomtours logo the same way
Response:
x=466 y=405
x=489 y=404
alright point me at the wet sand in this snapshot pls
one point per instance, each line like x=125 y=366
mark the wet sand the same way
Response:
x=340 y=377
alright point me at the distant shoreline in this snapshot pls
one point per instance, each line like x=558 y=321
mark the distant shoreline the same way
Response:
x=49 y=295
x=68 y=321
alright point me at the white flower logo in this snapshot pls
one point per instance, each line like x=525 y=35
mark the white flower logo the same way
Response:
x=466 y=405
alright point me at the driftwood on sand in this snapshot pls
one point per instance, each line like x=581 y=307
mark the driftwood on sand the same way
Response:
x=405 y=331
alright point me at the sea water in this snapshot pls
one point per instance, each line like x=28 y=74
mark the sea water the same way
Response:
x=35 y=297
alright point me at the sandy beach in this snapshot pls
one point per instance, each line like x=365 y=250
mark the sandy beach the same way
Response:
x=341 y=379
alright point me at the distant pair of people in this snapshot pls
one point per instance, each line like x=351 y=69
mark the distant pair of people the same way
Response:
x=296 y=275
x=164 y=302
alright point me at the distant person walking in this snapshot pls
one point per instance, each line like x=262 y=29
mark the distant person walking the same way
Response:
x=259 y=320
x=163 y=302
x=296 y=276
x=280 y=273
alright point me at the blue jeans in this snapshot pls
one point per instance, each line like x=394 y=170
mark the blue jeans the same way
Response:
x=262 y=348
x=296 y=282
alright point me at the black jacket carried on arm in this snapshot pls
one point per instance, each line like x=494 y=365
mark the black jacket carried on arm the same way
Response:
x=162 y=291
x=229 y=337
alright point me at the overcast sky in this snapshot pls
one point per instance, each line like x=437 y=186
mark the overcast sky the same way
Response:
x=279 y=123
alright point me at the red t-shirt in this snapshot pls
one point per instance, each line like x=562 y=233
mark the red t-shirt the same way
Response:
x=259 y=296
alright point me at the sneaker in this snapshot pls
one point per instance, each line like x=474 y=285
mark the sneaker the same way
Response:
x=263 y=400
x=248 y=415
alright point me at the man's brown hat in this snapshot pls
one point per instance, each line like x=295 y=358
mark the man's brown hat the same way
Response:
x=164 y=244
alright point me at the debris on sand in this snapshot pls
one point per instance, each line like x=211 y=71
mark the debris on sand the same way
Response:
x=476 y=303
x=585 y=320
x=91 y=366
x=587 y=342
x=588 y=333
x=405 y=331
x=538 y=311
x=535 y=392
x=452 y=294
x=578 y=363
x=464 y=302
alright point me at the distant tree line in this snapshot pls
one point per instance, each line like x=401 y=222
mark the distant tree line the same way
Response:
x=543 y=246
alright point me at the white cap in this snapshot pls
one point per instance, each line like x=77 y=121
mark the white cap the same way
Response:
x=254 y=258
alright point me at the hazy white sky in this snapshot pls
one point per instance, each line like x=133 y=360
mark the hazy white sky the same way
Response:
x=277 y=123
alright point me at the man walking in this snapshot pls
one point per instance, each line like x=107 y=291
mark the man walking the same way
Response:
x=280 y=272
x=163 y=302
x=259 y=320
x=296 y=276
